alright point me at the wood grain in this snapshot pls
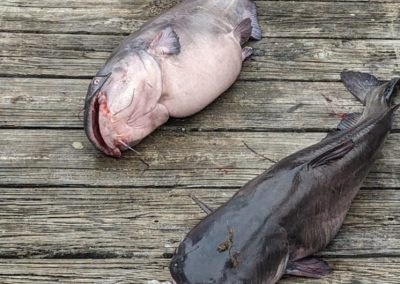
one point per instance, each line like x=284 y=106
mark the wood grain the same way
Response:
x=126 y=271
x=150 y=222
x=80 y=56
x=261 y=106
x=304 y=19
x=173 y=158
x=74 y=216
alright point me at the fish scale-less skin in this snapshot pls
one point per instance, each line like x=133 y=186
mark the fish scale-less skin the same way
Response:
x=173 y=66
x=289 y=212
x=210 y=58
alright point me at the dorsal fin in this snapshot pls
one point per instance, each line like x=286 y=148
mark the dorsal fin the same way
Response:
x=359 y=84
x=333 y=154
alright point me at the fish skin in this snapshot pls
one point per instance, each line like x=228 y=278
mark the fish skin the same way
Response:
x=294 y=209
x=173 y=66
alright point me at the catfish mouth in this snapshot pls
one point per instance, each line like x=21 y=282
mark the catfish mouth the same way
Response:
x=92 y=128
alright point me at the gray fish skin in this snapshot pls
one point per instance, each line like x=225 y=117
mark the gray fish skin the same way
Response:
x=277 y=221
x=174 y=66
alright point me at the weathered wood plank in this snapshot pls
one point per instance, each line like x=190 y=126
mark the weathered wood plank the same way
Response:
x=159 y=3
x=138 y=271
x=31 y=102
x=150 y=222
x=46 y=157
x=278 y=19
x=133 y=215
x=275 y=58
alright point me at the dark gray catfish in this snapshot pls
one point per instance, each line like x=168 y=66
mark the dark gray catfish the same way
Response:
x=274 y=224
x=173 y=66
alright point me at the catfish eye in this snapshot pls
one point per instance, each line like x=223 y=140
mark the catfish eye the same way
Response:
x=96 y=81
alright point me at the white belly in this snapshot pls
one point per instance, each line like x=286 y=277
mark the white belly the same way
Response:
x=200 y=73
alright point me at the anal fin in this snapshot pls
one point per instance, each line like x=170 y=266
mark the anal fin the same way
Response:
x=333 y=154
x=308 y=267
x=349 y=120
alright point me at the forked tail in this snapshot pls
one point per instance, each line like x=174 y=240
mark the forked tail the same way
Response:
x=373 y=93
x=376 y=95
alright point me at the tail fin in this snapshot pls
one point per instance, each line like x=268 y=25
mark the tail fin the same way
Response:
x=376 y=95
x=369 y=90
x=252 y=14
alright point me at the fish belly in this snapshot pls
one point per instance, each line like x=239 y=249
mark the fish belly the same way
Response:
x=200 y=74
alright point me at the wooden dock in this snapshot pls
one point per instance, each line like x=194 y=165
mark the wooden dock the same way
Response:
x=68 y=214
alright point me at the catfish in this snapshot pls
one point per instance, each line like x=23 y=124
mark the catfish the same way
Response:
x=277 y=221
x=173 y=66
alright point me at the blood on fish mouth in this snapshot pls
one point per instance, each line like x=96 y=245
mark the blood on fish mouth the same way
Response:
x=96 y=137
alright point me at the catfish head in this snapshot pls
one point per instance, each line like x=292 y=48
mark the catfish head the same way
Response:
x=122 y=104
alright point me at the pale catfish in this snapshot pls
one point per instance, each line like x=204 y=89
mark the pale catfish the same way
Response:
x=173 y=66
x=277 y=221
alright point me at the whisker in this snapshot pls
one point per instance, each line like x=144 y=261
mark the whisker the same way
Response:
x=128 y=147
x=133 y=150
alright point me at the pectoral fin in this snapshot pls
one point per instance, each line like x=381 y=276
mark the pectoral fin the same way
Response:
x=166 y=42
x=207 y=209
x=333 y=154
x=308 y=267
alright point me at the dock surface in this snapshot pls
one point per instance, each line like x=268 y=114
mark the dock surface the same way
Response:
x=68 y=214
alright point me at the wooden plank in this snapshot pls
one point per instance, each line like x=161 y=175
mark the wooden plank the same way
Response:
x=72 y=17
x=364 y=270
x=150 y=222
x=277 y=19
x=100 y=220
x=275 y=58
x=329 y=19
x=164 y=4
x=221 y=159
x=124 y=271
x=31 y=102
